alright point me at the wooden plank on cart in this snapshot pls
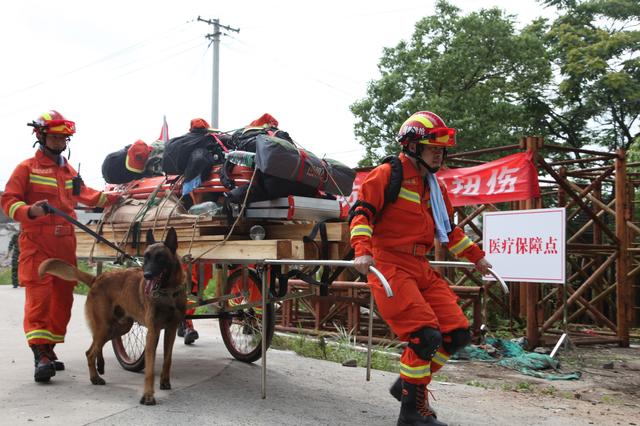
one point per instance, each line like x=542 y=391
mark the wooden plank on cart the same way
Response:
x=294 y=208
x=229 y=250
x=336 y=231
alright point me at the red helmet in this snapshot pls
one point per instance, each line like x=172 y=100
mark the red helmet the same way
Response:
x=52 y=122
x=426 y=128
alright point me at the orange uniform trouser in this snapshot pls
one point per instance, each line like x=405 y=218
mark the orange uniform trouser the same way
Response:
x=236 y=287
x=421 y=298
x=208 y=274
x=47 y=310
x=48 y=300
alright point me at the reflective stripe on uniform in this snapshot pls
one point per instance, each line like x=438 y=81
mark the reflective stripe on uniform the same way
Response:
x=460 y=246
x=14 y=207
x=415 y=372
x=43 y=180
x=68 y=184
x=102 y=200
x=365 y=230
x=44 y=334
x=412 y=196
x=440 y=358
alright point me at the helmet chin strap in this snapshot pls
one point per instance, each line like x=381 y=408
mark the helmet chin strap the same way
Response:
x=55 y=152
x=418 y=157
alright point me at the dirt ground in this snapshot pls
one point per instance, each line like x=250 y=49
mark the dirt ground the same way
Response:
x=610 y=382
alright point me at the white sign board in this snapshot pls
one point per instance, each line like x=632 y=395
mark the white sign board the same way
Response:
x=526 y=245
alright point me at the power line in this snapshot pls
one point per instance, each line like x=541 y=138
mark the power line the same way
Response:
x=90 y=64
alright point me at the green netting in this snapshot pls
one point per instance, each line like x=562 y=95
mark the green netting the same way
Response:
x=511 y=355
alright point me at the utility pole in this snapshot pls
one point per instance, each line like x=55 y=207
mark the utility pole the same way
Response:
x=215 y=86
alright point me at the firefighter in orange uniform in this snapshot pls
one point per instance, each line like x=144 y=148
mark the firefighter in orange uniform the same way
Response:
x=395 y=239
x=47 y=177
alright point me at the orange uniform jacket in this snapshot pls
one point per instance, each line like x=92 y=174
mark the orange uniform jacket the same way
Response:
x=39 y=178
x=48 y=302
x=406 y=222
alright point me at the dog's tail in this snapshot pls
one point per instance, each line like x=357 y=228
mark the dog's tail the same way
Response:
x=64 y=270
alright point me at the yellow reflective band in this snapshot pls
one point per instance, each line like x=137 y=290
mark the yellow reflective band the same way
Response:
x=365 y=230
x=461 y=246
x=130 y=167
x=40 y=334
x=412 y=196
x=102 y=200
x=43 y=180
x=46 y=116
x=415 y=372
x=424 y=120
x=14 y=207
x=440 y=358
x=68 y=184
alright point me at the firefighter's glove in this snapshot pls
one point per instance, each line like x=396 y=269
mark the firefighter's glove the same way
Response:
x=362 y=263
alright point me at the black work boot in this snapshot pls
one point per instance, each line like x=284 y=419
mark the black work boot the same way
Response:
x=415 y=407
x=181 y=328
x=396 y=391
x=45 y=369
x=190 y=335
x=59 y=365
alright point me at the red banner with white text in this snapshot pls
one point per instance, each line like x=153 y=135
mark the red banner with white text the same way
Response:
x=510 y=178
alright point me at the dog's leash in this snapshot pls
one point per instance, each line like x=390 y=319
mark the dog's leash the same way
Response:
x=49 y=209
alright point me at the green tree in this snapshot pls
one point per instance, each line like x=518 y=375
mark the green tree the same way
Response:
x=594 y=45
x=477 y=72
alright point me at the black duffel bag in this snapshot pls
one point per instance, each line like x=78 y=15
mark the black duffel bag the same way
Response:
x=279 y=158
x=193 y=154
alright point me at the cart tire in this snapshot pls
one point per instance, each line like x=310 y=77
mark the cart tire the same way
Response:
x=241 y=329
x=129 y=348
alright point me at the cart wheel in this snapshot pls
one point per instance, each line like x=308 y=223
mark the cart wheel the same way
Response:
x=129 y=348
x=242 y=329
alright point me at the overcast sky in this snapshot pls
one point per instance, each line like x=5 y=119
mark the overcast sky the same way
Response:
x=116 y=68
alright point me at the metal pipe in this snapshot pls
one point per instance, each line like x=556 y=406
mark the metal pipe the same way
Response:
x=469 y=265
x=345 y=263
x=557 y=346
x=370 y=337
x=265 y=275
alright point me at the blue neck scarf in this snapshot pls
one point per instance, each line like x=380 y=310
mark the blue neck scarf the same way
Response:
x=439 y=209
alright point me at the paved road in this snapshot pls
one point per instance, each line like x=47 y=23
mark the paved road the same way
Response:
x=211 y=388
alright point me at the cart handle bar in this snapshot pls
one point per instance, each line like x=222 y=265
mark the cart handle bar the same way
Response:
x=469 y=265
x=345 y=263
x=383 y=280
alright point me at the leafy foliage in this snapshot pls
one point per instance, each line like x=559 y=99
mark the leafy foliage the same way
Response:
x=574 y=81
x=476 y=71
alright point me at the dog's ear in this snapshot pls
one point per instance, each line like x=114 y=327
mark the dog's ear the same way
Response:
x=150 y=237
x=172 y=240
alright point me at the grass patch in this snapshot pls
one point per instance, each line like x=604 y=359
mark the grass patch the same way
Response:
x=5 y=276
x=524 y=387
x=83 y=265
x=477 y=384
x=338 y=348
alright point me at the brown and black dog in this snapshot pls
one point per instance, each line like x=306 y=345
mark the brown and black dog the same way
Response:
x=153 y=295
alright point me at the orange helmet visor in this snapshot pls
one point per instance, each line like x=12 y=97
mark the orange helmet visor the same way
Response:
x=64 y=127
x=440 y=136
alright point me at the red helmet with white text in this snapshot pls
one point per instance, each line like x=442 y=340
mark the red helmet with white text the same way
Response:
x=426 y=128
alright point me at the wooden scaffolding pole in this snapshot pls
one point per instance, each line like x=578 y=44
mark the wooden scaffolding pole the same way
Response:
x=532 y=291
x=624 y=294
